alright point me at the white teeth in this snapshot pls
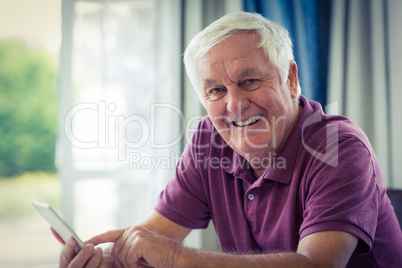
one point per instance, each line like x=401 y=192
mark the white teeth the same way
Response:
x=248 y=121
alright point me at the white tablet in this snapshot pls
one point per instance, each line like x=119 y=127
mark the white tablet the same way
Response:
x=57 y=223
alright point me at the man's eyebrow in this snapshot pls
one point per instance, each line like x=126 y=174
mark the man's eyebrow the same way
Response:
x=247 y=72
x=208 y=82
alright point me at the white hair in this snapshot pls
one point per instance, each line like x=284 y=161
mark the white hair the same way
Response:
x=274 y=40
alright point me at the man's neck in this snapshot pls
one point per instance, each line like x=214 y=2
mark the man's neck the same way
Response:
x=262 y=163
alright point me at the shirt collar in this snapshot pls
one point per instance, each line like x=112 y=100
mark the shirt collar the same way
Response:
x=286 y=159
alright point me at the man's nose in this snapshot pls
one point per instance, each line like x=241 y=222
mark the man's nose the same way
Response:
x=237 y=100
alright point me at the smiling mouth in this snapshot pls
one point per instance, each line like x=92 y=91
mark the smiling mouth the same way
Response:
x=247 y=122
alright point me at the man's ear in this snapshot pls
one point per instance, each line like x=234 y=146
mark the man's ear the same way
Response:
x=293 y=81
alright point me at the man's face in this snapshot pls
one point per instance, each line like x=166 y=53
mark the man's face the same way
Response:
x=244 y=97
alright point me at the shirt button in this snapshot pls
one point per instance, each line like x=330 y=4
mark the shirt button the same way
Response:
x=251 y=197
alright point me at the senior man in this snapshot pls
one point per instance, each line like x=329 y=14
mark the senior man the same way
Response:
x=284 y=184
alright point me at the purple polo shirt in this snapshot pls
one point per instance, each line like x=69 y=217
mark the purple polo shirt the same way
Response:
x=326 y=178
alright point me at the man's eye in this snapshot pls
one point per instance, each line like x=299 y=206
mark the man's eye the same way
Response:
x=250 y=84
x=250 y=81
x=215 y=93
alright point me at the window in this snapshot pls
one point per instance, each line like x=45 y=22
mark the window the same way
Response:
x=120 y=121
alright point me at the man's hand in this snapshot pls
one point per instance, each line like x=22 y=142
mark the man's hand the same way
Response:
x=89 y=256
x=139 y=247
x=155 y=248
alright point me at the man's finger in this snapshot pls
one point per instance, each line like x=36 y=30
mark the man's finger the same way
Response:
x=110 y=236
x=57 y=236
x=96 y=258
x=83 y=257
x=67 y=254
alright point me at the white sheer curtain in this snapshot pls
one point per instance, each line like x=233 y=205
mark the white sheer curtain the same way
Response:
x=119 y=125
x=364 y=75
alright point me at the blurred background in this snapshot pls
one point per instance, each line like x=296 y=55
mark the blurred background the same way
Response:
x=95 y=107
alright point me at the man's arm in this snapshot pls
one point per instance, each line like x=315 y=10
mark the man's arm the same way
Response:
x=157 y=223
x=324 y=249
x=156 y=243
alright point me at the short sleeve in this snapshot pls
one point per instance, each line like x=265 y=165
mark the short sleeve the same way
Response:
x=343 y=197
x=183 y=201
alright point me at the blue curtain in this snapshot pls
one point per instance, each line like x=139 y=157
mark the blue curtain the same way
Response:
x=308 y=24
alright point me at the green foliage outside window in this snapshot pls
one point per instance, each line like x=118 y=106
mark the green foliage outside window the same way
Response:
x=28 y=108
